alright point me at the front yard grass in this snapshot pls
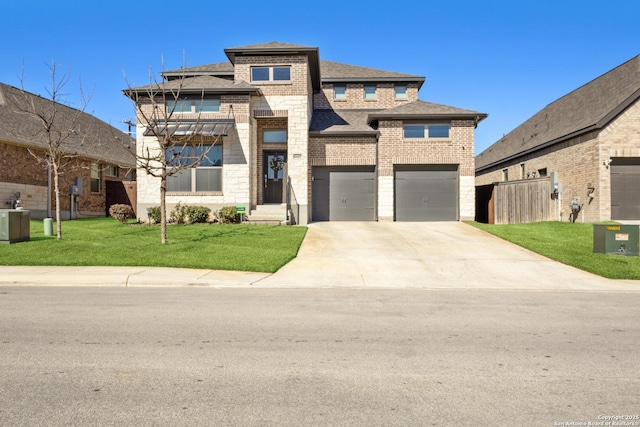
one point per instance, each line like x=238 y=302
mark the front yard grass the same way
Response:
x=568 y=243
x=106 y=242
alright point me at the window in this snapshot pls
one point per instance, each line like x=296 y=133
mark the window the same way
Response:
x=370 y=92
x=112 y=171
x=275 y=74
x=275 y=136
x=522 y=171
x=95 y=178
x=194 y=106
x=339 y=92
x=205 y=177
x=542 y=172
x=400 y=91
x=430 y=131
x=414 y=131
x=505 y=174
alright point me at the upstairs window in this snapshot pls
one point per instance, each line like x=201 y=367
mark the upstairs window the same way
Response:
x=417 y=131
x=211 y=105
x=400 y=91
x=267 y=74
x=339 y=92
x=370 y=92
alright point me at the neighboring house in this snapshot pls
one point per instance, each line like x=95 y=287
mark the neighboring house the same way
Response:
x=103 y=158
x=587 y=143
x=356 y=143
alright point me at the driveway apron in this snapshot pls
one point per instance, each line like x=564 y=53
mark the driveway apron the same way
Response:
x=436 y=255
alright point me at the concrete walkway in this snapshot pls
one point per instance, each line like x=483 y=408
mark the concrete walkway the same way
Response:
x=443 y=255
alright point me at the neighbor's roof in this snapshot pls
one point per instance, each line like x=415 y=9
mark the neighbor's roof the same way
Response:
x=195 y=85
x=587 y=108
x=341 y=122
x=422 y=110
x=91 y=138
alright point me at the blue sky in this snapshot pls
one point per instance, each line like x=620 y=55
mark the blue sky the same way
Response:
x=505 y=58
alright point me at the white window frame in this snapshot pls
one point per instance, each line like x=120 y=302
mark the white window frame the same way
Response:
x=95 y=175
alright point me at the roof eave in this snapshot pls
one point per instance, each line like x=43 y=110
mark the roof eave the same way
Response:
x=478 y=117
x=539 y=147
x=329 y=133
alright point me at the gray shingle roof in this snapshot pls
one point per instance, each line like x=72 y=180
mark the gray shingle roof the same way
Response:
x=341 y=122
x=197 y=84
x=329 y=72
x=420 y=110
x=92 y=138
x=589 y=107
x=339 y=72
x=271 y=45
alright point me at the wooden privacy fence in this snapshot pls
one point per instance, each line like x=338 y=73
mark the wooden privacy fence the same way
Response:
x=518 y=202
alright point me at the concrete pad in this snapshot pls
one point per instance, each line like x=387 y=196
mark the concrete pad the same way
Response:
x=434 y=255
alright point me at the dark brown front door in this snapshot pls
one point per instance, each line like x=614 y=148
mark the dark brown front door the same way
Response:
x=273 y=175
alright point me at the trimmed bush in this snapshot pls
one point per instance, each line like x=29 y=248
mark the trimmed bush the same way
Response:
x=229 y=215
x=156 y=214
x=197 y=214
x=122 y=213
x=179 y=214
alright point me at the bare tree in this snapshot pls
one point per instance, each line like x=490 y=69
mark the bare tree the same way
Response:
x=173 y=134
x=56 y=130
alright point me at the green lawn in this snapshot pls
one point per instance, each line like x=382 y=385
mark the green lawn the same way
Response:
x=106 y=242
x=571 y=244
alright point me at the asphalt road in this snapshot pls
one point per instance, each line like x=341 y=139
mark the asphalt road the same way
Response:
x=194 y=356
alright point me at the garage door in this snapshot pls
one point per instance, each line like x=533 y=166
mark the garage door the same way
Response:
x=344 y=194
x=625 y=188
x=426 y=193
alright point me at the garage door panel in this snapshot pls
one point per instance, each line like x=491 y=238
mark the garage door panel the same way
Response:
x=625 y=188
x=346 y=194
x=426 y=194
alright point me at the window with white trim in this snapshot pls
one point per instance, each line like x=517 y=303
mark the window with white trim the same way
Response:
x=112 y=170
x=271 y=74
x=96 y=178
x=206 y=177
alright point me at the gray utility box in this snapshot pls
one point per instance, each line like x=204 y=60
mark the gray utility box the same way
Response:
x=15 y=225
x=615 y=239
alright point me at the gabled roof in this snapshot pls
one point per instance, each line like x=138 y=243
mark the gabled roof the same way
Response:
x=218 y=69
x=590 y=107
x=341 y=122
x=91 y=138
x=196 y=85
x=422 y=110
x=333 y=72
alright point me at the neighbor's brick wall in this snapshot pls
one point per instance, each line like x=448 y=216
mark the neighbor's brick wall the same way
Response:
x=385 y=97
x=456 y=150
x=19 y=171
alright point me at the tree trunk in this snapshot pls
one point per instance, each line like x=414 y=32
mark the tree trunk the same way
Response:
x=163 y=209
x=56 y=191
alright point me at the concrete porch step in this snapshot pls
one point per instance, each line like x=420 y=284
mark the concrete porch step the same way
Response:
x=268 y=214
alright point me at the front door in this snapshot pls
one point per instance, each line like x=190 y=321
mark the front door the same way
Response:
x=273 y=175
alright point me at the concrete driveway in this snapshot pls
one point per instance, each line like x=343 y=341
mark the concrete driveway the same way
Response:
x=425 y=255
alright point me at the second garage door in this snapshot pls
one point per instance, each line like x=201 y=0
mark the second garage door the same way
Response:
x=426 y=193
x=344 y=193
x=625 y=188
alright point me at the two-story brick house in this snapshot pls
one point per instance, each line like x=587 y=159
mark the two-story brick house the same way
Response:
x=314 y=140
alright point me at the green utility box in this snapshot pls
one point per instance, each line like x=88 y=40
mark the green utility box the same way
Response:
x=615 y=239
x=15 y=225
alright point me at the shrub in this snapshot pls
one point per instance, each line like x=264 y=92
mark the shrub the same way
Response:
x=122 y=213
x=179 y=214
x=156 y=215
x=229 y=215
x=197 y=214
